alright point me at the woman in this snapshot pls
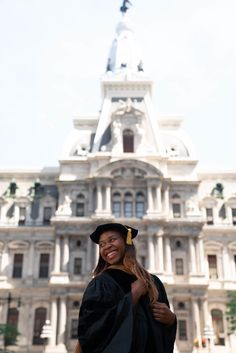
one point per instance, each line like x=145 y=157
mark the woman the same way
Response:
x=124 y=308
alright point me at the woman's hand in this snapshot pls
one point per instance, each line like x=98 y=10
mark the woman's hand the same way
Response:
x=78 y=348
x=138 y=289
x=162 y=313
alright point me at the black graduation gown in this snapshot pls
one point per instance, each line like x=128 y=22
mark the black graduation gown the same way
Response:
x=109 y=323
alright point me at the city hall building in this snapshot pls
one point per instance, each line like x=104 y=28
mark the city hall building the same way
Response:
x=129 y=166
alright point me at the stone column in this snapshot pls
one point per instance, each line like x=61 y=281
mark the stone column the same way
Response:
x=150 y=199
x=1 y=255
x=229 y=214
x=108 y=197
x=167 y=202
x=62 y=321
x=57 y=256
x=88 y=255
x=151 y=253
x=66 y=254
x=53 y=319
x=31 y=260
x=196 y=319
x=201 y=257
x=192 y=256
x=206 y=314
x=99 y=198
x=5 y=260
x=159 y=252
x=226 y=264
x=168 y=262
x=158 y=198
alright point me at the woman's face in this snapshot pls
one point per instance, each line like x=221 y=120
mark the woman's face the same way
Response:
x=112 y=247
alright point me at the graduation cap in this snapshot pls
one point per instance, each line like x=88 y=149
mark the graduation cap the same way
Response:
x=128 y=231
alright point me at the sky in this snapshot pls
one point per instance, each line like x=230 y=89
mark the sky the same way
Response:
x=53 y=54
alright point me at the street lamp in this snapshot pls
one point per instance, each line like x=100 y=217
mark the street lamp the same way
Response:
x=209 y=334
x=46 y=333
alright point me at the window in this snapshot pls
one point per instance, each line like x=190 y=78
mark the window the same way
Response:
x=234 y=216
x=39 y=320
x=79 y=207
x=128 y=205
x=139 y=205
x=128 y=141
x=176 y=207
x=77 y=266
x=22 y=216
x=179 y=266
x=212 y=263
x=17 y=266
x=12 y=319
x=209 y=216
x=116 y=208
x=116 y=204
x=43 y=265
x=217 y=321
x=182 y=325
x=74 y=329
x=12 y=316
x=47 y=213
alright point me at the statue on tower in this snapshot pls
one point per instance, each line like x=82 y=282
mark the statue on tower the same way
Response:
x=124 y=6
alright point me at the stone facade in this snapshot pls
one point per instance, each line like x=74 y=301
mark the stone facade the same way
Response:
x=130 y=166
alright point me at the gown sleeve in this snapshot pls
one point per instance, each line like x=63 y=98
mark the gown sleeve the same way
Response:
x=105 y=318
x=169 y=332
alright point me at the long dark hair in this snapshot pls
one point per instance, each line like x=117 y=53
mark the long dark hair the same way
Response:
x=132 y=266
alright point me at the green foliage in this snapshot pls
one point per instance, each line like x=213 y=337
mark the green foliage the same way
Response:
x=9 y=333
x=231 y=312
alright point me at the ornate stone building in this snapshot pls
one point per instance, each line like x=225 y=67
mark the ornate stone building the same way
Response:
x=129 y=166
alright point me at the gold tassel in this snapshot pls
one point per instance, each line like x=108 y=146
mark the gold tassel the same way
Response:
x=129 y=237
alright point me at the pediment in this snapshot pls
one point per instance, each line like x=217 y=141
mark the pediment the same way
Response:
x=129 y=168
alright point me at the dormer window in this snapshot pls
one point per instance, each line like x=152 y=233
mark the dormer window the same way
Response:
x=128 y=141
x=234 y=216
x=209 y=216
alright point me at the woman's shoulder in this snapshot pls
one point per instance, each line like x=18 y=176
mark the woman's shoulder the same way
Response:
x=158 y=282
x=102 y=281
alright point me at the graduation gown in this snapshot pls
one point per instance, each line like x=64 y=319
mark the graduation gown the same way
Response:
x=110 y=323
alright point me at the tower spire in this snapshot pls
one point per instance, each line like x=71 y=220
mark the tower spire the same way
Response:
x=124 y=7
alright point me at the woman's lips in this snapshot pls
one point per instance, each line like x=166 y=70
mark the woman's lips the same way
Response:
x=111 y=254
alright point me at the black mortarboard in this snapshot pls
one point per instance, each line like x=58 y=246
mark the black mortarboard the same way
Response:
x=128 y=231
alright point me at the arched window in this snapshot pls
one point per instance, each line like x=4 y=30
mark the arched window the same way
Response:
x=217 y=321
x=139 y=205
x=128 y=141
x=79 y=208
x=176 y=206
x=128 y=205
x=39 y=321
x=116 y=204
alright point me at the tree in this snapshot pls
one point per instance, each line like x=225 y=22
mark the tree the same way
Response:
x=9 y=333
x=231 y=312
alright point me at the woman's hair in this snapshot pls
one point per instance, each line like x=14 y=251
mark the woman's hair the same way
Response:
x=132 y=266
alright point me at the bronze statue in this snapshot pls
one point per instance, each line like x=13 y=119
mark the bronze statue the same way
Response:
x=124 y=6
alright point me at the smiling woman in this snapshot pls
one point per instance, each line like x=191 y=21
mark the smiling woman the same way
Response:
x=124 y=308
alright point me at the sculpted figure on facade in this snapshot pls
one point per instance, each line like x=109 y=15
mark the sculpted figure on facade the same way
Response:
x=65 y=208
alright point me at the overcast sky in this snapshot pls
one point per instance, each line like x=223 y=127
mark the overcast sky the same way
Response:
x=54 y=52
